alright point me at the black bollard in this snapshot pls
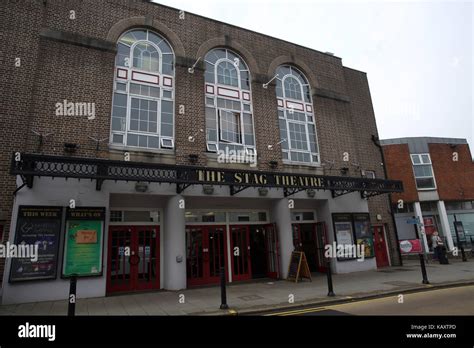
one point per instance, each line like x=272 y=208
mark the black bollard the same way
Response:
x=71 y=310
x=329 y=276
x=423 y=269
x=223 y=293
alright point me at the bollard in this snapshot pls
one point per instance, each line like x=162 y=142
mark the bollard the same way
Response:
x=423 y=269
x=329 y=276
x=71 y=310
x=223 y=293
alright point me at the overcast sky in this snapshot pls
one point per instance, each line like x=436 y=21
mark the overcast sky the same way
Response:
x=418 y=55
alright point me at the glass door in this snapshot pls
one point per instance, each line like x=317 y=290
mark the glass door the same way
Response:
x=240 y=249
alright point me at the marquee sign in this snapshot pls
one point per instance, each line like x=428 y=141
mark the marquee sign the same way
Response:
x=185 y=176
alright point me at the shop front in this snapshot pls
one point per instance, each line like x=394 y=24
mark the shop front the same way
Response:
x=161 y=229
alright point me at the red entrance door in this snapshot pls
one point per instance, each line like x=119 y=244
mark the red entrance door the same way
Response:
x=240 y=249
x=133 y=258
x=381 y=256
x=206 y=254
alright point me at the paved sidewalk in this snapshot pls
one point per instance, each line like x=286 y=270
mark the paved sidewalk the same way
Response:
x=261 y=295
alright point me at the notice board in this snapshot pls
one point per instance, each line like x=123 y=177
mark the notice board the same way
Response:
x=37 y=225
x=83 y=244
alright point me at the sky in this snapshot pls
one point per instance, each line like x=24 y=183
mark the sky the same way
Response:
x=418 y=55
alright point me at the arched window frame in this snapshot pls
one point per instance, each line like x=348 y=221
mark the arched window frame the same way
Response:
x=143 y=105
x=297 y=123
x=223 y=100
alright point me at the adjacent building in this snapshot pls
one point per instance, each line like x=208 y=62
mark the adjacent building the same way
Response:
x=148 y=148
x=437 y=175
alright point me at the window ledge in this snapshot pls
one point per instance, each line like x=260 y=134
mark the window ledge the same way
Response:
x=141 y=150
x=302 y=164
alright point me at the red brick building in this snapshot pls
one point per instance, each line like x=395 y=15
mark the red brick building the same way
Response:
x=156 y=146
x=437 y=175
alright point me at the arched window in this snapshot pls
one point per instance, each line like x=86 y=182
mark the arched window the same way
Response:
x=296 y=117
x=229 y=119
x=143 y=101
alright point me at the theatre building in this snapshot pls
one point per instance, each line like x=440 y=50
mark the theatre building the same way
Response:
x=147 y=148
x=437 y=175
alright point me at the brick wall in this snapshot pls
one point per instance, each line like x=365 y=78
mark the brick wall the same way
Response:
x=454 y=179
x=399 y=167
x=52 y=71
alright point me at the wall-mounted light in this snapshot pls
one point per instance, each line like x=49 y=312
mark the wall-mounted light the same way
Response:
x=141 y=186
x=273 y=164
x=344 y=170
x=311 y=193
x=191 y=69
x=271 y=147
x=70 y=147
x=265 y=85
x=262 y=191
x=192 y=138
x=208 y=189
x=193 y=158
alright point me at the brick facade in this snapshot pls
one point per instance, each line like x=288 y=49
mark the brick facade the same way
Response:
x=78 y=65
x=454 y=179
x=399 y=167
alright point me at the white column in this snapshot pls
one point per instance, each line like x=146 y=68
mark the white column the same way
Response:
x=282 y=215
x=174 y=244
x=443 y=216
x=419 y=215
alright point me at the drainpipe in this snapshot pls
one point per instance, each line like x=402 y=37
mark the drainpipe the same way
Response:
x=376 y=141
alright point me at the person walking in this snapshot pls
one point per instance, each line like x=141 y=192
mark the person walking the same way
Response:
x=438 y=245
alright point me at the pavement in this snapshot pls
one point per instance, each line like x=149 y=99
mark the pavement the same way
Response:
x=441 y=302
x=258 y=296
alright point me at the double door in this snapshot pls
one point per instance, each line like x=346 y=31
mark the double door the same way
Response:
x=311 y=239
x=133 y=258
x=252 y=248
x=206 y=254
x=254 y=251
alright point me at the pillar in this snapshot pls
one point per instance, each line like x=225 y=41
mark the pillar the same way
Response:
x=282 y=216
x=174 y=244
x=419 y=215
x=443 y=216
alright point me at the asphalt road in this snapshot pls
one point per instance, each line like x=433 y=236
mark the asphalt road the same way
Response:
x=448 y=301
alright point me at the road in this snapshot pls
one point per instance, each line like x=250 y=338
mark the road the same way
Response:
x=448 y=301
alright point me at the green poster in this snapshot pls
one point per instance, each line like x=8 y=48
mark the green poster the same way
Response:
x=83 y=248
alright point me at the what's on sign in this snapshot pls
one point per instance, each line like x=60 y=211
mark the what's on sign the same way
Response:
x=410 y=246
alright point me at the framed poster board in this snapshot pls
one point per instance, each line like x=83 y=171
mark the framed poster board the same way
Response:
x=37 y=225
x=343 y=232
x=363 y=233
x=83 y=243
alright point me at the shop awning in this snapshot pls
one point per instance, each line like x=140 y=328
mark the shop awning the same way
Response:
x=30 y=165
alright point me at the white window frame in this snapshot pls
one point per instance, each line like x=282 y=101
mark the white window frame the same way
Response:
x=419 y=156
x=214 y=146
x=306 y=122
x=128 y=81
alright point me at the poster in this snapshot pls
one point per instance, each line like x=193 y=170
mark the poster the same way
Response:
x=343 y=232
x=368 y=244
x=37 y=225
x=364 y=234
x=83 y=244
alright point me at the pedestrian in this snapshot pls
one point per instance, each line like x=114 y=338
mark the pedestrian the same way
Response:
x=438 y=245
